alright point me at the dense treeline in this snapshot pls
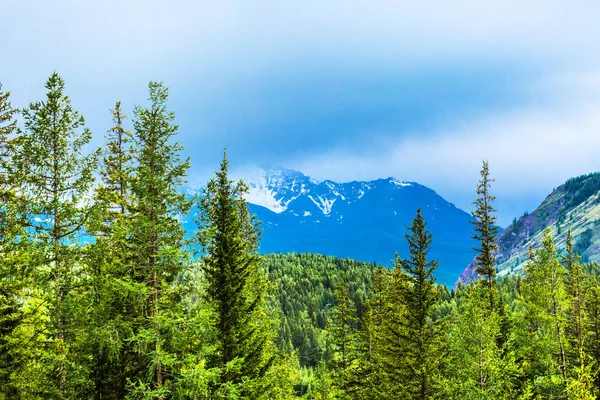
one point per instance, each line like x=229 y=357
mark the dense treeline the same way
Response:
x=305 y=286
x=102 y=295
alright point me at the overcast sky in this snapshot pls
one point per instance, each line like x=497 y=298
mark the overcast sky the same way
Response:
x=342 y=90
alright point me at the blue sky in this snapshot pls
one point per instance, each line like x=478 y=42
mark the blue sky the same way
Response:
x=341 y=90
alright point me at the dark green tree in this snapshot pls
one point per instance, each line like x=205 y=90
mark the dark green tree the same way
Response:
x=157 y=244
x=108 y=264
x=422 y=336
x=485 y=232
x=236 y=288
x=343 y=328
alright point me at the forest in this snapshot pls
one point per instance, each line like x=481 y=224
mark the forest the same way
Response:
x=103 y=296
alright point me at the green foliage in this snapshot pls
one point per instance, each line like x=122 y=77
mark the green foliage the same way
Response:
x=421 y=336
x=584 y=241
x=305 y=293
x=477 y=368
x=542 y=342
x=101 y=298
x=54 y=177
x=485 y=232
x=237 y=289
x=580 y=188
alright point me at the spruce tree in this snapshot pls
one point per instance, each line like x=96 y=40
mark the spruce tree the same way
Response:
x=54 y=178
x=344 y=333
x=108 y=263
x=157 y=246
x=393 y=336
x=422 y=337
x=236 y=288
x=485 y=232
x=371 y=337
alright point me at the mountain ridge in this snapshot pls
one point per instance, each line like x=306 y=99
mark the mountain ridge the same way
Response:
x=362 y=220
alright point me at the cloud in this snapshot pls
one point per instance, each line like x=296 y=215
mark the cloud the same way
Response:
x=351 y=89
x=530 y=152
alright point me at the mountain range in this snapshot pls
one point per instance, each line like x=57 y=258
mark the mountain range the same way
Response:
x=368 y=220
x=364 y=221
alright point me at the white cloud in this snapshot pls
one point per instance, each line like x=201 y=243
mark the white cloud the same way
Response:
x=109 y=49
x=530 y=152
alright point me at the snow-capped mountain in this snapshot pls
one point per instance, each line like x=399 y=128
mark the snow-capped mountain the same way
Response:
x=361 y=220
x=277 y=188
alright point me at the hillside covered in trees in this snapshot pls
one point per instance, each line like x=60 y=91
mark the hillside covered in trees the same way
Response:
x=102 y=295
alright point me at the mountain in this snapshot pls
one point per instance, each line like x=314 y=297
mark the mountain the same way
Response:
x=360 y=220
x=575 y=205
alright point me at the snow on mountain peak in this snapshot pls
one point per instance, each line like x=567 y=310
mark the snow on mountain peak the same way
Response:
x=399 y=183
x=275 y=188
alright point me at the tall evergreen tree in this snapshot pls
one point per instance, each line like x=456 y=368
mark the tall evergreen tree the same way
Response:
x=393 y=335
x=372 y=343
x=157 y=245
x=108 y=262
x=236 y=288
x=55 y=177
x=422 y=336
x=485 y=232
x=343 y=328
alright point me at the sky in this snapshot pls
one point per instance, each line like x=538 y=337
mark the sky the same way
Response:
x=342 y=90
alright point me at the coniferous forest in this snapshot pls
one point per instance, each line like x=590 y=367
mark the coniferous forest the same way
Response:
x=104 y=296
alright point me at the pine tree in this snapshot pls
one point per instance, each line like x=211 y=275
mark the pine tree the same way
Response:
x=485 y=232
x=117 y=168
x=108 y=259
x=343 y=329
x=157 y=245
x=371 y=340
x=55 y=178
x=393 y=336
x=236 y=288
x=422 y=337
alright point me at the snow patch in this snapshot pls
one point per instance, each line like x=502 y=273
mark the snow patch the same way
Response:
x=324 y=204
x=399 y=183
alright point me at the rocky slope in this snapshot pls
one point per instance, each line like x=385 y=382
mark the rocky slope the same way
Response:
x=575 y=205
